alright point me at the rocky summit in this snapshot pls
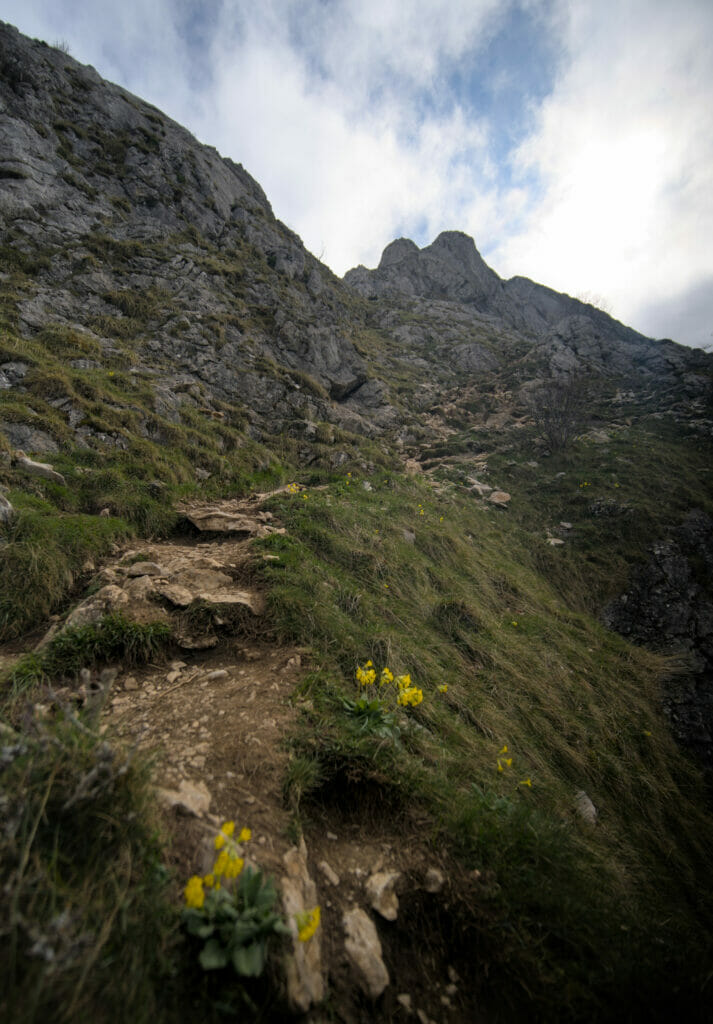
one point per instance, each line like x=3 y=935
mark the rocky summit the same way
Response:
x=356 y=635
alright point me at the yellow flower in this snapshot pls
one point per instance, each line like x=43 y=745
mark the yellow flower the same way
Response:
x=410 y=696
x=443 y=688
x=245 y=835
x=525 y=782
x=209 y=881
x=227 y=829
x=221 y=863
x=507 y=761
x=503 y=751
x=234 y=867
x=307 y=924
x=365 y=676
x=387 y=676
x=193 y=892
x=500 y=767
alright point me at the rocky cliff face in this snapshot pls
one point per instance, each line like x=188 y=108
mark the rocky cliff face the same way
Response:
x=571 y=335
x=116 y=224
x=142 y=239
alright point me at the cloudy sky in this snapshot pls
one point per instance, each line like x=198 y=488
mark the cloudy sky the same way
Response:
x=573 y=139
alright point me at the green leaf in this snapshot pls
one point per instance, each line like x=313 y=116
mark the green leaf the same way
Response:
x=213 y=956
x=197 y=924
x=249 y=961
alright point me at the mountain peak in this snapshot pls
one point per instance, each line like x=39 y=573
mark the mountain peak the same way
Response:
x=397 y=251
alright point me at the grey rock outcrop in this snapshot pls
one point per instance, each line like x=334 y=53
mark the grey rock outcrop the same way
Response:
x=569 y=334
x=363 y=949
x=114 y=206
x=305 y=984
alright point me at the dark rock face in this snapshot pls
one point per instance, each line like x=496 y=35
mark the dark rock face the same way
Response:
x=669 y=607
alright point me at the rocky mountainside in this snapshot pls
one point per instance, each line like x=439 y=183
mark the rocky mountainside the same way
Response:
x=159 y=254
x=307 y=492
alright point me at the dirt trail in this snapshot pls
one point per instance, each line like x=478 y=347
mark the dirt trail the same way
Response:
x=216 y=715
x=215 y=719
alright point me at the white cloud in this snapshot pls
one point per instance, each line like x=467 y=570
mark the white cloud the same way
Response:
x=623 y=147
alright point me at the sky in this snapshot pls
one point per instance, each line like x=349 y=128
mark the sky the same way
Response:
x=573 y=139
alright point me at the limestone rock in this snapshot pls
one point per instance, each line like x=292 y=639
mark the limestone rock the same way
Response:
x=363 y=949
x=329 y=873
x=380 y=891
x=584 y=807
x=145 y=569
x=434 y=880
x=500 y=498
x=108 y=599
x=43 y=469
x=177 y=595
x=7 y=512
x=479 y=488
x=305 y=984
x=191 y=798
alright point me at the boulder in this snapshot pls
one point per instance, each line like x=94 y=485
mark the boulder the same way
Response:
x=380 y=890
x=43 y=469
x=7 y=512
x=363 y=948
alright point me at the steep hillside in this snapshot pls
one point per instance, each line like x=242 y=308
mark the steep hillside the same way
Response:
x=406 y=574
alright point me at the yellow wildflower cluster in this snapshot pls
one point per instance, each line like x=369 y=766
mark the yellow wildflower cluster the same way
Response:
x=228 y=865
x=366 y=676
x=506 y=762
x=293 y=488
x=421 y=511
x=585 y=484
x=408 y=693
x=307 y=924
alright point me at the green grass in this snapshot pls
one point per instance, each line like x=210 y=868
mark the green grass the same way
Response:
x=86 y=923
x=574 y=915
x=112 y=639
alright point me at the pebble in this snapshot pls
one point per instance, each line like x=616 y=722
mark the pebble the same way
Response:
x=329 y=873
x=331 y=835
x=218 y=673
x=130 y=683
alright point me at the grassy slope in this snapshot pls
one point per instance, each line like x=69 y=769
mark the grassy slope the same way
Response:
x=582 y=916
